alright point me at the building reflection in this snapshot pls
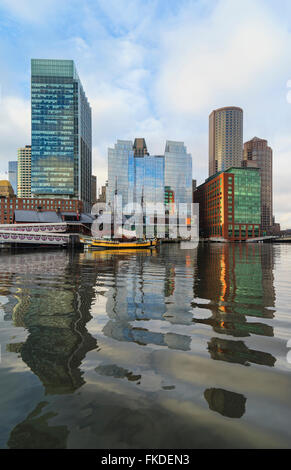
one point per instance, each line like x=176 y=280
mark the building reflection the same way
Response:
x=238 y=281
x=142 y=336
x=112 y=370
x=148 y=301
x=229 y=404
x=238 y=352
x=150 y=289
x=35 y=432
x=54 y=309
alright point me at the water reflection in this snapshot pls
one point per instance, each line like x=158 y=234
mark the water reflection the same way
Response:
x=55 y=313
x=112 y=370
x=238 y=281
x=130 y=335
x=142 y=336
x=36 y=433
x=230 y=404
x=237 y=352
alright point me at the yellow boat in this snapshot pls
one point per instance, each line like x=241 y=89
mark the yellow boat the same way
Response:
x=103 y=244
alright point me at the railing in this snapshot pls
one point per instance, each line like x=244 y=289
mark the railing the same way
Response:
x=34 y=238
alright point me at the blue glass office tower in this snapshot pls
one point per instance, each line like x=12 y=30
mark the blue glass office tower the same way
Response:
x=146 y=179
x=178 y=172
x=134 y=174
x=12 y=175
x=61 y=135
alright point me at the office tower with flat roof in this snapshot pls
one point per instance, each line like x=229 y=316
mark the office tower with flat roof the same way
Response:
x=178 y=172
x=225 y=139
x=61 y=135
x=24 y=171
x=134 y=174
x=257 y=153
x=12 y=175
x=118 y=166
x=230 y=205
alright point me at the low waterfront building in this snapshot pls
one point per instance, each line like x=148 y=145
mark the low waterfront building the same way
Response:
x=230 y=205
x=9 y=204
x=75 y=221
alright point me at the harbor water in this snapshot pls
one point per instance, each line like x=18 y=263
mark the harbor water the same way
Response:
x=162 y=349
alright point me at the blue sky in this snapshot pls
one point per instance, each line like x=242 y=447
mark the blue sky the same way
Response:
x=156 y=69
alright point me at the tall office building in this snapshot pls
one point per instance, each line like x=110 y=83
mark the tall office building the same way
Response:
x=12 y=175
x=24 y=172
x=61 y=135
x=178 y=172
x=93 y=189
x=258 y=154
x=225 y=139
x=118 y=165
x=134 y=174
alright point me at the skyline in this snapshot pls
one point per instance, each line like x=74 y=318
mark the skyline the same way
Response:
x=144 y=78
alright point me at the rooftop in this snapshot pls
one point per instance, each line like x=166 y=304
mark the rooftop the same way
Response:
x=24 y=216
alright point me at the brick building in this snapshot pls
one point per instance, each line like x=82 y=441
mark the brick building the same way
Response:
x=230 y=205
x=8 y=205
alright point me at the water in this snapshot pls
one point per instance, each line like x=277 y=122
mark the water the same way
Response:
x=169 y=349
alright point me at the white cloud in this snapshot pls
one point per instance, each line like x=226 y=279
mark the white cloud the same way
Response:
x=281 y=180
x=30 y=10
x=14 y=128
x=223 y=56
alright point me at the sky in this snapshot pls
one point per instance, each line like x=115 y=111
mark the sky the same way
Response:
x=156 y=69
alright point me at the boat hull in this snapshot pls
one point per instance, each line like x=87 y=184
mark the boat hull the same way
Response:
x=116 y=245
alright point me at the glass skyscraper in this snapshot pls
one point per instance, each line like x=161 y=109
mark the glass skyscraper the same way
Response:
x=134 y=174
x=118 y=164
x=61 y=135
x=12 y=172
x=178 y=172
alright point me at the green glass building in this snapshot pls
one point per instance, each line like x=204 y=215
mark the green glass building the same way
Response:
x=230 y=204
x=61 y=134
x=244 y=221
